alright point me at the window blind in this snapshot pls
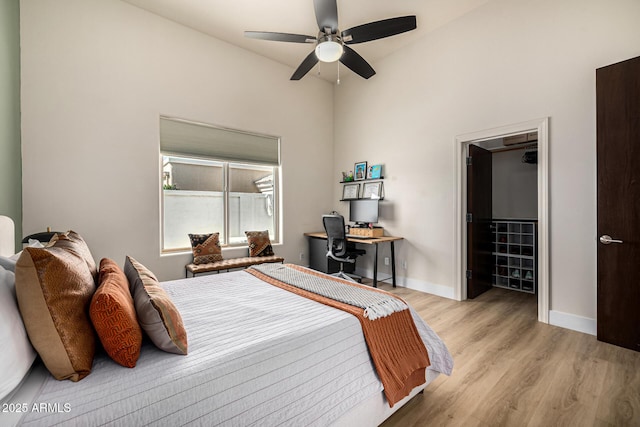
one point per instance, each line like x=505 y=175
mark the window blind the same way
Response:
x=181 y=137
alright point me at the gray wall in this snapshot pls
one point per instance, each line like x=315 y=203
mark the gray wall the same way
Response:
x=515 y=186
x=97 y=76
x=10 y=158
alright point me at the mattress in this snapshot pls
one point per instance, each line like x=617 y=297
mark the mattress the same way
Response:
x=258 y=355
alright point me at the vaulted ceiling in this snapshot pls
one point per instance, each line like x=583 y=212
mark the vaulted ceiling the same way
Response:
x=228 y=19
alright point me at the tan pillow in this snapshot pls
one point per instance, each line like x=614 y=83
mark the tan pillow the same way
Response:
x=75 y=243
x=259 y=243
x=157 y=314
x=114 y=316
x=206 y=248
x=54 y=287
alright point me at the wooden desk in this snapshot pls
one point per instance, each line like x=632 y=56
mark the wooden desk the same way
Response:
x=373 y=241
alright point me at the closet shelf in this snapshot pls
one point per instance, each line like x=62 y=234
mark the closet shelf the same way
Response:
x=515 y=252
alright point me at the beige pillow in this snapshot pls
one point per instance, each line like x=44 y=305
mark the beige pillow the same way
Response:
x=157 y=314
x=54 y=286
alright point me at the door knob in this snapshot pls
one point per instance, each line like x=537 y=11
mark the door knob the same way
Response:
x=605 y=239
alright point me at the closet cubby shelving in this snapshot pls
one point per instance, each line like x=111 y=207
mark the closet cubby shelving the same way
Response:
x=515 y=252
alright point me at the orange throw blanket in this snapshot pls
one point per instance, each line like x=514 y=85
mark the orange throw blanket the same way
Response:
x=395 y=346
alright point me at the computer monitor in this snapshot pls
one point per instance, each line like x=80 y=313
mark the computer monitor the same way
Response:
x=364 y=211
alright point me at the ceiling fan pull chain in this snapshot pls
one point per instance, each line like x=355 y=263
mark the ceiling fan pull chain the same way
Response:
x=338 y=82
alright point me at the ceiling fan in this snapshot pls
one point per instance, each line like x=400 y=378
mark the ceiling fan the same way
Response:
x=332 y=44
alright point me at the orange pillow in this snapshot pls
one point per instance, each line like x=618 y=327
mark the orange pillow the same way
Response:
x=114 y=315
x=73 y=242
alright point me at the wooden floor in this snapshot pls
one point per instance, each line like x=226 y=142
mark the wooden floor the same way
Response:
x=511 y=370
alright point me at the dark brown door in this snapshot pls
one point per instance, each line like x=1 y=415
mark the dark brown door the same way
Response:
x=480 y=260
x=618 y=150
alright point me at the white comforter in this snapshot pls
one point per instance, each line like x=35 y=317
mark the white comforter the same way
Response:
x=258 y=355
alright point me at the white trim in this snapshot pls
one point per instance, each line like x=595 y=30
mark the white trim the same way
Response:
x=461 y=146
x=430 y=288
x=573 y=322
x=408 y=282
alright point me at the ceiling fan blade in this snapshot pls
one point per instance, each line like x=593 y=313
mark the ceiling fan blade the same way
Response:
x=280 y=37
x=379 y=29
x=356 y=63
x=326 y=14
x=306 y=65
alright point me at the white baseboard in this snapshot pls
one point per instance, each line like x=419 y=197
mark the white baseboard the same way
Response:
x=416 y=285
x=430 y=288
x=557 y=318
x=573 y=322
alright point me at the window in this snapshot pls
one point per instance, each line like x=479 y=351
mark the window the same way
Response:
x=213 y=185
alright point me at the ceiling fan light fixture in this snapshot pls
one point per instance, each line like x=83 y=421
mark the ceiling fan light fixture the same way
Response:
x=329 y=50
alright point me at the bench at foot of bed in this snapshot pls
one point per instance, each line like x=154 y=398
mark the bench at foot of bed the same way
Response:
x=228 y=264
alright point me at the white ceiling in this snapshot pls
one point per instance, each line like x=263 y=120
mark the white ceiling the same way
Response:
x=228 y=19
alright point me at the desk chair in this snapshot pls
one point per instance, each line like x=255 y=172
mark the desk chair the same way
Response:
x=337 y=245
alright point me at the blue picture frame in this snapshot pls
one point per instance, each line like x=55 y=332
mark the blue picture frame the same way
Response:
x=374 y=172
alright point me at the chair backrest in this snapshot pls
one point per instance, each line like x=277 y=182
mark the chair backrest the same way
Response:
x=336 y=239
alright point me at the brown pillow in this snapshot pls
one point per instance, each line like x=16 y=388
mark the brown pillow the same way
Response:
x=114 y=316
x=54 y=287
x=75 y=243
x=157 y=315
x=205 y=248
x=259 y=243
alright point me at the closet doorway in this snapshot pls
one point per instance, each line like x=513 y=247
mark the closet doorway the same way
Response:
x=502 y=189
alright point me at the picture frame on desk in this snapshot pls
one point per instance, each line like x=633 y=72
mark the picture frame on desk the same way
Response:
x=360 y=171
x=350 y=191
x=372 y=190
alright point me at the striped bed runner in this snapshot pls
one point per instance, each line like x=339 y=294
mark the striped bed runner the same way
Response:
x=395 y=346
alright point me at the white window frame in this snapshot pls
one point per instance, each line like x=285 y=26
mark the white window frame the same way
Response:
x=277 y=220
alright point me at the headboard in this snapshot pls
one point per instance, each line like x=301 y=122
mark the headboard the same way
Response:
x=7 y=236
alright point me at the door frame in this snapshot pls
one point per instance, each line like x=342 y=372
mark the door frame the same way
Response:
x=462 y=143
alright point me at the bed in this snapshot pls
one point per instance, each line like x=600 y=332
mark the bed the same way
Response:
x=258 y=355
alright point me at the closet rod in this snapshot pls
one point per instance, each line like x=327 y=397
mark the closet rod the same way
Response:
x=519 y=147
